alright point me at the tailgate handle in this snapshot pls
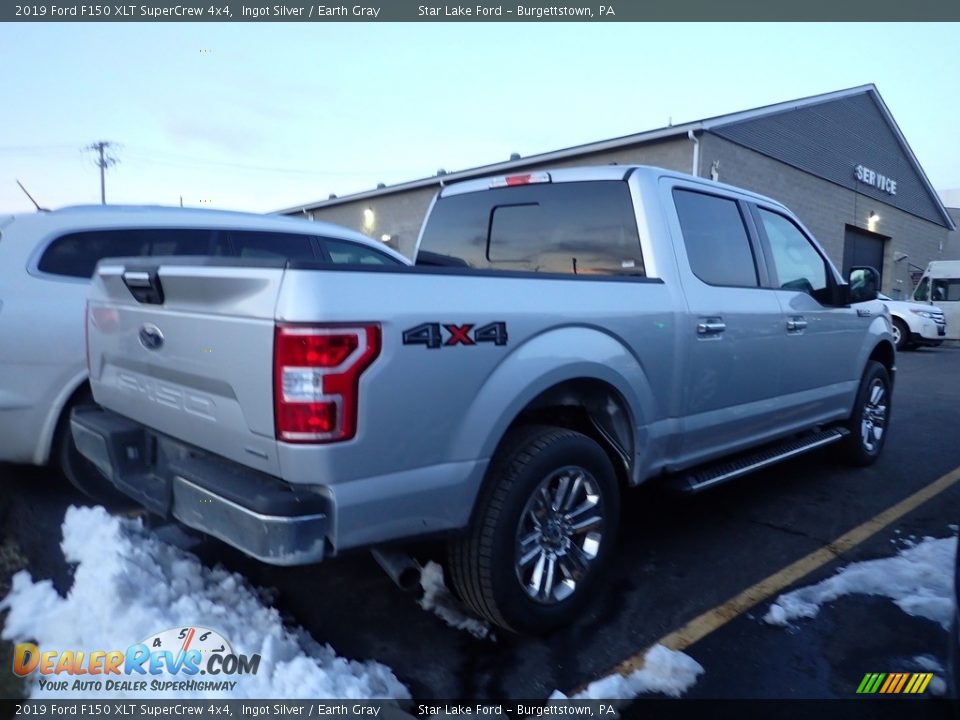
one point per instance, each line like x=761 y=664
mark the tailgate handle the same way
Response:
x=144 y=285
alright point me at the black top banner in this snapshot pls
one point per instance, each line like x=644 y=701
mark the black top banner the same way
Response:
x=251 y=11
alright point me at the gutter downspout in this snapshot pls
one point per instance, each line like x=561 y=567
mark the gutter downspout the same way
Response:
x=696 y=153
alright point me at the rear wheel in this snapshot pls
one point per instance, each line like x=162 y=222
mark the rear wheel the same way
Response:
x=543 y=531
x=870 y=418
x=82 y=473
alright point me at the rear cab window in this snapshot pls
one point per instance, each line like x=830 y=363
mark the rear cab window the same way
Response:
x=575 y=228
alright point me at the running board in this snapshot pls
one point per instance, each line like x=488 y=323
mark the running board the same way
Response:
x=710 y=475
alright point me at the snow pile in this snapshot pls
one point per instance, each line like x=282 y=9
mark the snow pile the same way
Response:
x=129 y=586
x=664 y=671
x=919 y=580
x=437 y=599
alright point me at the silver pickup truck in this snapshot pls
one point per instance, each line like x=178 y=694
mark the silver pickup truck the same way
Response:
x=565 y=335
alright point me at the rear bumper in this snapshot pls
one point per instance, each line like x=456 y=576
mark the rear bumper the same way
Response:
x=258 y=514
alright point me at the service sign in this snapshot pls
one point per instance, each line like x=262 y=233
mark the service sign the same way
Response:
x=872 y=177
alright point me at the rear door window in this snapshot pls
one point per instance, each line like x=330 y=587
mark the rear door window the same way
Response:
x=578 y=228
x=716 y=240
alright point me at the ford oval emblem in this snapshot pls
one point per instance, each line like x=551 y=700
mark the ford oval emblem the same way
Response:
x=151 y=337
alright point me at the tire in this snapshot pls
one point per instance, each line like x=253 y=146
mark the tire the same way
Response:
x=80 y=472
x=870 y=418
x=901 y=335
x=551 y=500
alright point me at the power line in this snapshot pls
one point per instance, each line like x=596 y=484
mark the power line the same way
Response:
x=31 y=149
x=103 y=162
x=165 y=158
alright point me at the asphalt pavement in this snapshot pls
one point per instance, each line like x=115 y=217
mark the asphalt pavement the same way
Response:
x=678 y=558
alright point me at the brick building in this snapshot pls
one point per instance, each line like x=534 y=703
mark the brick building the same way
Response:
x=838 y=160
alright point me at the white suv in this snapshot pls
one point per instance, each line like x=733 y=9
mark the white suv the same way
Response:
x=46 y=261
x=915 y=323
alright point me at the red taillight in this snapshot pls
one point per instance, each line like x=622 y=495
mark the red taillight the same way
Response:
x=104 y=319
x=316 y=376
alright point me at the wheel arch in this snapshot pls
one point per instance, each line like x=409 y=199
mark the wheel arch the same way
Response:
x=70 y=393
x=592 y=407
x=590 y=377
x=577 y=377
x=885 y=354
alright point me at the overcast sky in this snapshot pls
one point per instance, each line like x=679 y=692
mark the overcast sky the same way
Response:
x=259 y=117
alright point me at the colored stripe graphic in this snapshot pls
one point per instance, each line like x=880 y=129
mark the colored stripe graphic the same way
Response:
x=903 y=679
x=915 y=682
x=894 y=683
x=870 y=683
x=890 y=684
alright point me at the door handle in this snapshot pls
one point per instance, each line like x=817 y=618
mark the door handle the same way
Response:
x=796 y=323
x=711 y=326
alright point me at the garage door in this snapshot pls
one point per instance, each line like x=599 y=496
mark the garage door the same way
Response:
x=862 y=248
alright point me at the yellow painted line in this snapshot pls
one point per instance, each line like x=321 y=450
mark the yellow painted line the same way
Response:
x=702 y=625
x=923 y=685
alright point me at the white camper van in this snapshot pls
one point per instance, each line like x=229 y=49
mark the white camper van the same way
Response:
x=940 y=286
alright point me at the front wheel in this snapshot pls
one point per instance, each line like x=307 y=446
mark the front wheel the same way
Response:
x=543 y=531
x=871 y=416
x=901 y=335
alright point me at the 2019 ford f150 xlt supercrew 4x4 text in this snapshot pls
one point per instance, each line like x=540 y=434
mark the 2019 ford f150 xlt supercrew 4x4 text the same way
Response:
x=578 y=332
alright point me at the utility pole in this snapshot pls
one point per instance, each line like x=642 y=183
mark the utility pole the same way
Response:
x=103 y=162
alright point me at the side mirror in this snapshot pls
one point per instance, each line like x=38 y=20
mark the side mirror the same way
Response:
x=863 y=284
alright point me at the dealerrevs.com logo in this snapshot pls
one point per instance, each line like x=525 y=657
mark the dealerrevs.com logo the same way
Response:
x=168 y=661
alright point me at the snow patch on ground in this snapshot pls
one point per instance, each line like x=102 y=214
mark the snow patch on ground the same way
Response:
x=440 y=601
x=919 y=580
x=129 y=586
x=665 y=671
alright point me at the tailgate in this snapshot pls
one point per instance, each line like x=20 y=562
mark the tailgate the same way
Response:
x=185 y=346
